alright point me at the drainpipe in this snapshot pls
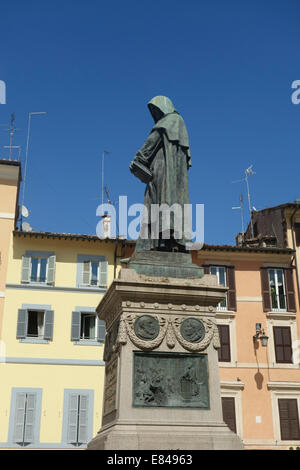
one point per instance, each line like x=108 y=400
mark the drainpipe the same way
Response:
x=295 y=248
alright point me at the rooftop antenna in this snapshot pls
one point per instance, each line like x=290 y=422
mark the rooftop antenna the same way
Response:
x=14 y=147
x=12 y=129
x=104 y=152
x=26 y=155
x=248 y=172
x=241 y=208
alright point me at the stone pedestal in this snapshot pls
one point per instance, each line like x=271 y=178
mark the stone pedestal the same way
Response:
x=162 y=387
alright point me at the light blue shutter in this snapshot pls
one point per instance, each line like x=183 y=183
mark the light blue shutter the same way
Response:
x=103 y=273
x=22 y=323
x=30 y=418
x=101 y=330
x=26 y=268
x=51 y=269
x=75 y=328
x=48 y=324
x=83 y=419
x=86 y=273
x=19 y=417
x=72 y=419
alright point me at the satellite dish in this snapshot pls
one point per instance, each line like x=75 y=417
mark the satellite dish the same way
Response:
x=26 y=227
x=24 y=212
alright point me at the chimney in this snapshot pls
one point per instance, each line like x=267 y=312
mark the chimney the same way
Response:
x=106 y=225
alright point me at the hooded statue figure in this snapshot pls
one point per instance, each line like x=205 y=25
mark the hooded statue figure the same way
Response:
x=162 y=163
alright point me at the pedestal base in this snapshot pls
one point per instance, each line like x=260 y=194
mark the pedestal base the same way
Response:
x=162 y=387
x=165 y=437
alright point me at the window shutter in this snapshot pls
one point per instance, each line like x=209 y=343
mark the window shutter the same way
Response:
x=51 y=269
x=101 y=330
x=265 y=288
x=283 y=344
x=231 y=294
x=290 y=293
x=75 y=328
x=206 y=270
x=228 y=407
x=83 y=419
x=19 y=417
x=289 y=419
x=103 y=273
x=72 y=418
x=30 y=417
x=86 y=273
x=26 y=269
x=224 y=350
x=48 y=324
x=22 y=323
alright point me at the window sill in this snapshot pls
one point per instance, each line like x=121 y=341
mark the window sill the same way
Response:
x=98 y=290
x=86 y=342
x=225 y=313
x=277 y=314
x=231 y=364
x=34 y=340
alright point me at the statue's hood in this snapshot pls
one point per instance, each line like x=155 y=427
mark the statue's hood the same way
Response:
x=171 y=123
x=163 y=103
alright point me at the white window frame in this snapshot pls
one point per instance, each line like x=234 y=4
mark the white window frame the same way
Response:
x=90 y=340
x=234 y=390
x=222 y=320
x=271 y=343
x=283 y=390
x=274 y=309
x=218 y=267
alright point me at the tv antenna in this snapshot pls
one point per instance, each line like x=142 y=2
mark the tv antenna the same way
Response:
x=12 y=129
x=248 y=172
x=104 y=152
x=241 y=208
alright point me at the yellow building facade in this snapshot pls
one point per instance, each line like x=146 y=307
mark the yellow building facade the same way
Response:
x=52 y=344
x=53 y=369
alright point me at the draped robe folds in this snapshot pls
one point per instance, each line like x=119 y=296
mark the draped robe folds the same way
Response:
x=168 y=161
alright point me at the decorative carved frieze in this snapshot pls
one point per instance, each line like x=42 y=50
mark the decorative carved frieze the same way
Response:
x=148 y=331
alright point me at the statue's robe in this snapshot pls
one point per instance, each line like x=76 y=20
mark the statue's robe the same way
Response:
x=166 y=153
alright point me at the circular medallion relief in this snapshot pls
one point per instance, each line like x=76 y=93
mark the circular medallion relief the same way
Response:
x=146 y=327
x=192 y=330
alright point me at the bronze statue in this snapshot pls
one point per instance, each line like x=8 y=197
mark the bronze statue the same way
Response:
x=162 y=163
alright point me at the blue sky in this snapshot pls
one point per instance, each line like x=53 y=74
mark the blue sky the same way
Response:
x=93 y=66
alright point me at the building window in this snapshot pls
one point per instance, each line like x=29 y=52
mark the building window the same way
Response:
x=289 y=419
x=38 y=267
x=220 y=272
x=92 y=271
x=224 y=350
x=78 y=417
x=277 y=290
x=35 y=324
x=297 y=233
x=86 y=327
x=229 y=415
x=25 y=416
x=283 y=344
